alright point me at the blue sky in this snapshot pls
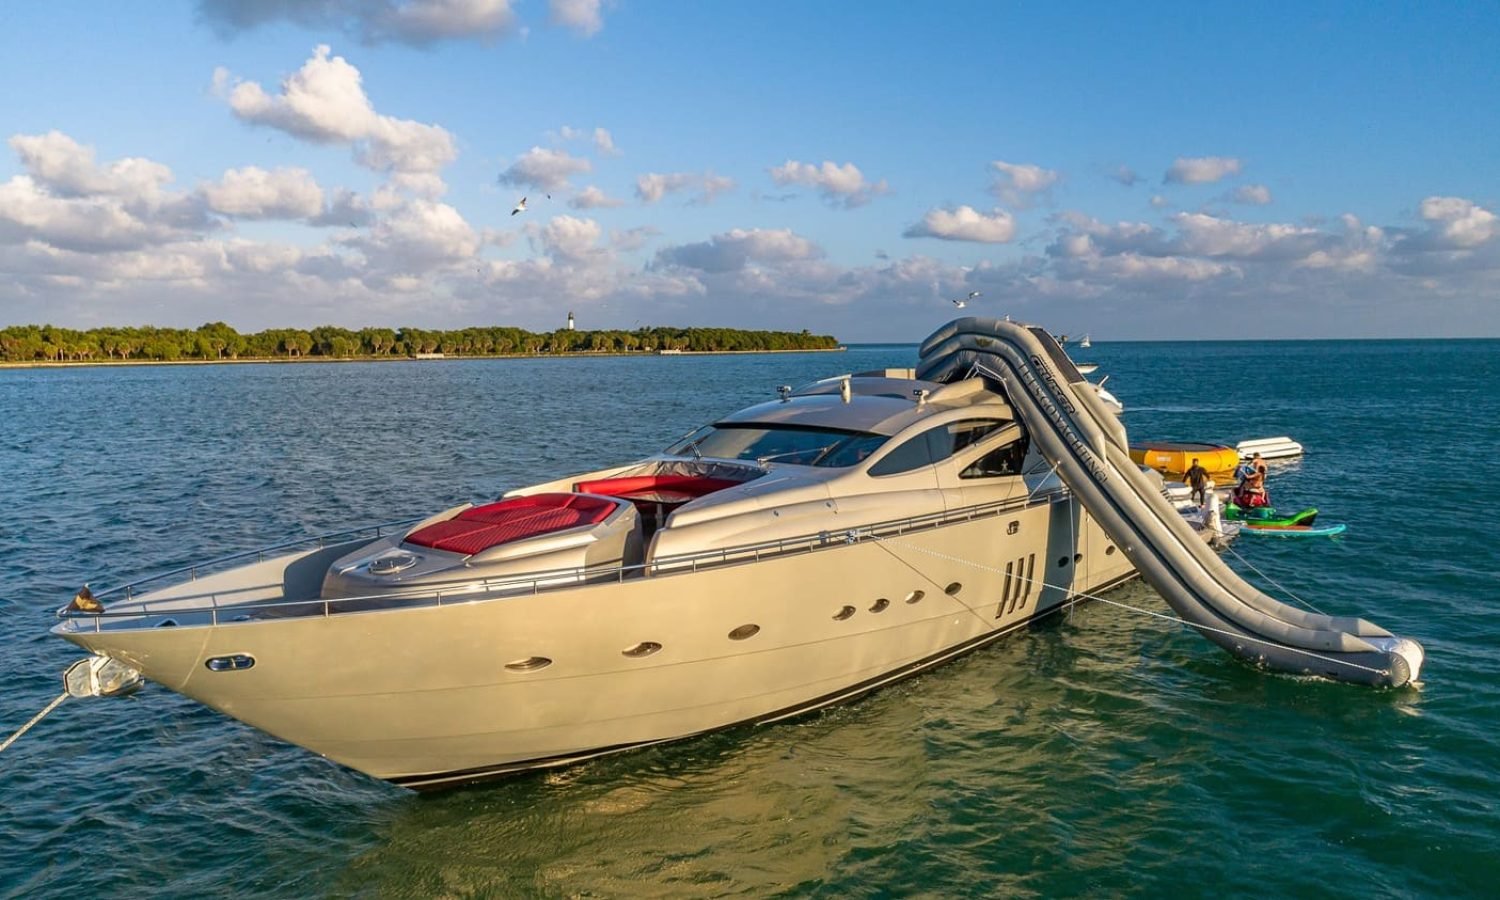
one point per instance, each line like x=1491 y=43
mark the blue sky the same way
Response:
x=1294 y=170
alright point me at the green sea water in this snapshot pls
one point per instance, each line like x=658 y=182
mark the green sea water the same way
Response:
x=1103 y=752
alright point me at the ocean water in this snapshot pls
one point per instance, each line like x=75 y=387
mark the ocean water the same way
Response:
x=1104 y=752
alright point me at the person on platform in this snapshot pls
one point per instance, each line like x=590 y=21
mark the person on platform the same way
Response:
x=1197 y=479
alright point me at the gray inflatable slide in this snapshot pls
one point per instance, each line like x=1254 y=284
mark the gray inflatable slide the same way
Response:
x=1083 y=437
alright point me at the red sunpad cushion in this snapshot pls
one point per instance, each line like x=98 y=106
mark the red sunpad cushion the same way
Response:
x=482 y=527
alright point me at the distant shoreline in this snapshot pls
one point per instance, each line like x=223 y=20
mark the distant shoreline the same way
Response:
x=278 y=360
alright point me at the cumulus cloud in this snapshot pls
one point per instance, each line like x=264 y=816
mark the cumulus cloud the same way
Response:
x=69 y=201
x=569 y=237
x=841 y=185
x=1460 y=223
x=653 y=186
x=415 y=22
x=734 y=250
x=416 y=237
x=1019 y=183
x=543 y=169
x=604 y=142
x=583 y=17
x=325 y=102
x=254 y=193
x=68 y=168
x=28 y=212
x=965 y=224
x=1252 y=195
x=1124 y=175
x=1201 y=169
x=592 y=197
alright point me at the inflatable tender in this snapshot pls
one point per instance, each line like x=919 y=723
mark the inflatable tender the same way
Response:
x=1176 y=457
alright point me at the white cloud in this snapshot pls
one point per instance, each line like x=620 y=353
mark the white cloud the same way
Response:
x=734 y=250
x=653 y=186
x=543 y=169
x=325 y=102
x=1202 y=169
x=592 y=197
x=844 y=185
x=1461 y=223
x=568 y=237
x=1205 y=235
x=1019 y=183
x=417 y=237
x=604 y=142
x=29 y=213
x=68 y=168
x=416 y=22
x=1252 y=195
x=965 y=224
x=1159 y=202
x=254 y=193
x=1124 y=175
x=583 y=17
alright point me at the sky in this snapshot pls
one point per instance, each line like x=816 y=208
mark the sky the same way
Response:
x=1163 y=171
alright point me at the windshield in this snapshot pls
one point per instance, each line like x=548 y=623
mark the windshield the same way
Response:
x=780 y=444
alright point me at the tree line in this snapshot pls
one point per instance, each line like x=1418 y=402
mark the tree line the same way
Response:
x=218 y=341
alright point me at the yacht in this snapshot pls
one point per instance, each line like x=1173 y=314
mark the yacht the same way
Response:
x=788 y=556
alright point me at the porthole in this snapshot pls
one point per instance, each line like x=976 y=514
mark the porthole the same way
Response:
x=1078 y=557
x=743 y=632
x=880 y=605
x=953 y=589
x=229 y=663
x=843 y=614
x=644 y=648
x=1062 y=561
x=915 y=597
x=1013 y=527
x=529 y=664
x=1110 y=550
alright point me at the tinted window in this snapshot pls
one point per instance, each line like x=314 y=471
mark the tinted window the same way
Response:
x=851 y=451
x=1005 y=460
x=923 y=450
x=781 y=444
x=969 y=431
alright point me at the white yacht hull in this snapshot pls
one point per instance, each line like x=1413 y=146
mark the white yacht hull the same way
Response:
x=422 y=696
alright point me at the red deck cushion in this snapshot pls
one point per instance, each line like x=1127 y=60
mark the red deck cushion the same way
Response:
x=693 y=485
x=482 y=527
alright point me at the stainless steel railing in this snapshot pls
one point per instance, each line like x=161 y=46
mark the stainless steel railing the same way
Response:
x=469 y=590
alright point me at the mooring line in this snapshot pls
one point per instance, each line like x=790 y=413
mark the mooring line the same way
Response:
x=34 y=719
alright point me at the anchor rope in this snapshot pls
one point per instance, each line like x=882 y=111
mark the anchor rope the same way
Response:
x=1091 y=596
x=34 y=719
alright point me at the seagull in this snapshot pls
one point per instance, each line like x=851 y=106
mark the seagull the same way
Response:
x=520 y=207
x=965 y=302
x=85 y=602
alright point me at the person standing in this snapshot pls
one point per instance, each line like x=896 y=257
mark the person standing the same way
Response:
x=1197 y=479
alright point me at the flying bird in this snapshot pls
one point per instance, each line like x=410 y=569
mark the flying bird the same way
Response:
x=520 y=207
x=965 y=302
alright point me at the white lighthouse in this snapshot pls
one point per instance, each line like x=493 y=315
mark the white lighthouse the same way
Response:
x=570 y=321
